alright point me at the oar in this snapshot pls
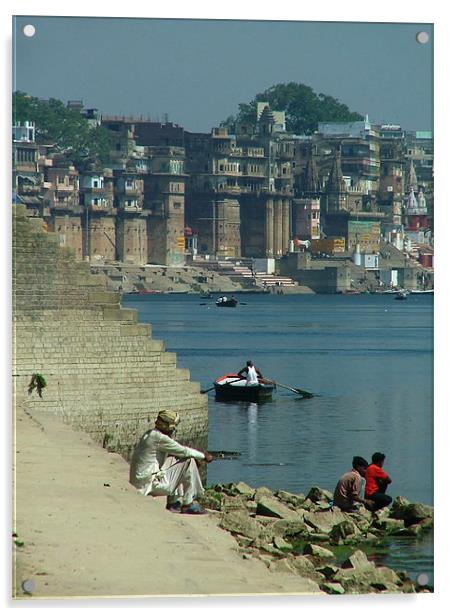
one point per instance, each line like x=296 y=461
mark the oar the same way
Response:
x=295 y=390
x=204 y=391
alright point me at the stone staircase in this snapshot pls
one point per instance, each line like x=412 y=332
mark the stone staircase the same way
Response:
x=106 y=375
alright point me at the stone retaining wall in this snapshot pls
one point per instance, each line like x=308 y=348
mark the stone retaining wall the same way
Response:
x=105 y=373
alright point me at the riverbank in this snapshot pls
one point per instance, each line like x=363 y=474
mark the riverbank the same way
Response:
x=81 y=530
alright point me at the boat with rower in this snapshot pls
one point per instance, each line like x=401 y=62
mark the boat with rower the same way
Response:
x=232 y=387
x=226 y=302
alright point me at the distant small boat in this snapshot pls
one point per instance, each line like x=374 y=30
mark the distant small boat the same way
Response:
x=422 y=292
x=226 y=302
x=401 y=295
x=231 y=387
x=206 y=295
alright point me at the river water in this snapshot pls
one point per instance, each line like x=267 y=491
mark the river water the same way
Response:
x=367 y=358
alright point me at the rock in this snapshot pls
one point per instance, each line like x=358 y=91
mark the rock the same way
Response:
x=296 y=500
x=211 y=500
x=345 y=530
x=233 y=503
x=262 y=544
x=332 y=588
x=265 y=520
x=388 y=525
x=251 y=506
x=398 y=507
x=357 y=560
x=411 y=531
x=281 y=565
x=323 y=521
x=281 y=544
x=415 y=512
x=305 y=568
x=263 y=492
x=244 y=489
x=239 y=523
x=327 y=570
x=317 y=494
x=274 y=508
x=318 y=551
x=289 y=528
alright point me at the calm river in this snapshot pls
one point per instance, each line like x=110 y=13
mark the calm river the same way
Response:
x=367 y=358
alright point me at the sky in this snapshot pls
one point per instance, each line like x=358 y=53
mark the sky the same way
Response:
x=197 y=71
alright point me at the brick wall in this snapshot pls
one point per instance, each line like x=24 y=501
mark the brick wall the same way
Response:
x=106 y=375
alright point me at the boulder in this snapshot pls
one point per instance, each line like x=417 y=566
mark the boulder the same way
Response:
x=398 y=507
x=263 y=492
x=296 y=500
x=233 y=503
x=388 y=525
x=274 y=508
x=317 y=494
x=416 y=512
x=239 y=523
x=327 y=570
x=344 y=531
x=244 y=489
x=289 y=528
x=332 y=588
x=281 y=544
x=323 y=521
x=318 y=551
x=305 y=568
x=357 y=560
x=211 y=500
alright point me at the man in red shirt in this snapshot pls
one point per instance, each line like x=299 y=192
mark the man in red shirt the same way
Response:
x=376 y=483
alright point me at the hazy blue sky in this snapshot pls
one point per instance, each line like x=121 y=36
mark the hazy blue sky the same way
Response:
x=198 y=71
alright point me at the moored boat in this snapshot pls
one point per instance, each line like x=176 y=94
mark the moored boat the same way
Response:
x=232 y=387
x=402 y=295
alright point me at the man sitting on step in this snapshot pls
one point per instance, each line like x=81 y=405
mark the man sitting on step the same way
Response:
x=161 y=466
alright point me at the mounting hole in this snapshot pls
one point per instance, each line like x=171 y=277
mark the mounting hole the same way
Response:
x=28 y=586
x=422 y=37
x=422 y=579
x=29 y=30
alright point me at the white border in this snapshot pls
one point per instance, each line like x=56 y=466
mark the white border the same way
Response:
x=382 y=11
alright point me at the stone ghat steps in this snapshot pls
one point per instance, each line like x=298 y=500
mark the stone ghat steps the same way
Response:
x=99 y=362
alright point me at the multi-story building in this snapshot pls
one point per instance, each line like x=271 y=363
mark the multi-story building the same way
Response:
x=241 y=188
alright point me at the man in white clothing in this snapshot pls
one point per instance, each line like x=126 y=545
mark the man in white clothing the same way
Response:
x=161 y=466
x=251 y=373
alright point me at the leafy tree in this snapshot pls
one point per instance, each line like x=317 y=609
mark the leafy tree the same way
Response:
x=304 y=108
x=66 y=129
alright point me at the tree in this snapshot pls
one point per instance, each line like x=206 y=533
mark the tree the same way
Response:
x=304 y=108
x=65 y=129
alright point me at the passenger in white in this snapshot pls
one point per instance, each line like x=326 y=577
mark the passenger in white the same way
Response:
x=161 y=466
x=251 y=373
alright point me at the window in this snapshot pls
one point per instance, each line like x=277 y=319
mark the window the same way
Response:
x=177 y=206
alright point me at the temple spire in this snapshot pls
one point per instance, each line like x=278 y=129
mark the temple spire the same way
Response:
x=412 y=178
x=310 y=181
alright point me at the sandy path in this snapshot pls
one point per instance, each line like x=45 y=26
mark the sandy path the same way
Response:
x=88 y=533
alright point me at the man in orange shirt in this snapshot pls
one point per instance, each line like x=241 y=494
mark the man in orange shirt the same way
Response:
x=376 y=483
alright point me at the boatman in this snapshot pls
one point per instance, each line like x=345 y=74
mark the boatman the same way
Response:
x=251 y=373
x=348 y=488
x=161 y=466
x=377 y=480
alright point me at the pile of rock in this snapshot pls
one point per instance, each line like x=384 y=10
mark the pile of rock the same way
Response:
x=277 y=526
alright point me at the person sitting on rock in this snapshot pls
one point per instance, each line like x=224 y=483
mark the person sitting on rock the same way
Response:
x=161 y=466
x=377 y=480
x=348 y=488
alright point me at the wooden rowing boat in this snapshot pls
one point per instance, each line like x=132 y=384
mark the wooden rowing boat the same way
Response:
x=231 y=387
